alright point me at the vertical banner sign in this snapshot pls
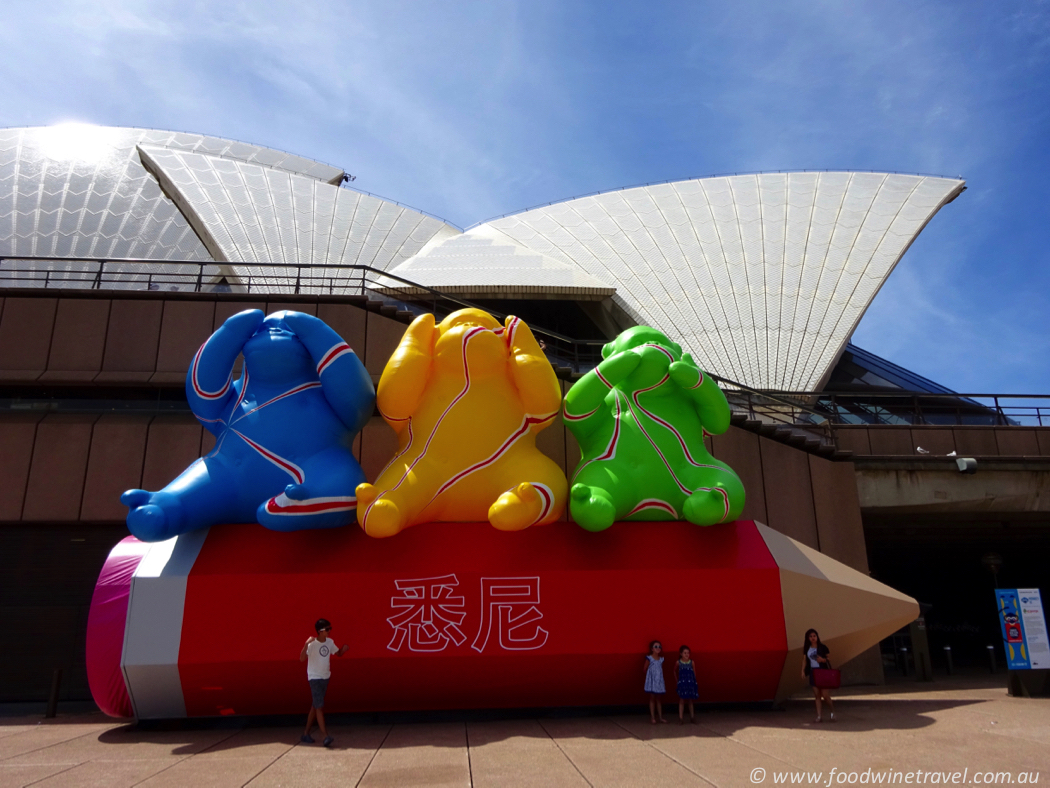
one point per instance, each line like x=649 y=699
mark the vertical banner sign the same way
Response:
x=1034 y=621
x=1024 y=628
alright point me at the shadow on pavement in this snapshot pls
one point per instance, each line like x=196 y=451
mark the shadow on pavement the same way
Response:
x=452 y=729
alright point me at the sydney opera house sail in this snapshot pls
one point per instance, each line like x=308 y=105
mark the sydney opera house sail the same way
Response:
x=762 y=278
x=88 y=193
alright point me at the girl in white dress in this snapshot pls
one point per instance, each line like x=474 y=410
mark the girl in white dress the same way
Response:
x=654 y=681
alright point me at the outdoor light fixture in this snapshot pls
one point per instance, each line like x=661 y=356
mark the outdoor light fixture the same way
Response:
x=966 y=464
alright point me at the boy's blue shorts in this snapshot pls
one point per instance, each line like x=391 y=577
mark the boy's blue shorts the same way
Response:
x=318 y=687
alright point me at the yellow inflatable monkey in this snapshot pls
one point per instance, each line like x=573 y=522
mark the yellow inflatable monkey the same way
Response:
x=467 y=398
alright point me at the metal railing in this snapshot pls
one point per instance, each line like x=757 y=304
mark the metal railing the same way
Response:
x=902 y=408
x=812 y=413
x=195 y=276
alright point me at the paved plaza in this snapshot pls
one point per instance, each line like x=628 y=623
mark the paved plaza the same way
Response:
x=895 y=731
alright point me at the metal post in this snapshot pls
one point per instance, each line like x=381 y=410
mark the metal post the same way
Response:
x=904 y=661
x=52 y=700
x=991 y=658
x=948 y=659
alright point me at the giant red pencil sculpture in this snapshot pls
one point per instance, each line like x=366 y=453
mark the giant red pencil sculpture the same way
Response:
x=459 y=615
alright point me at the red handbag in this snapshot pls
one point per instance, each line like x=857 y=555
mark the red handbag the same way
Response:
x=827 y=678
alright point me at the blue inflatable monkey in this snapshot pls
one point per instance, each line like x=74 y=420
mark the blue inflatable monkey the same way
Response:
x=283 y=431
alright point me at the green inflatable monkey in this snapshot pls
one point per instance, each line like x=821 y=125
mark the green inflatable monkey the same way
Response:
x=640 y=418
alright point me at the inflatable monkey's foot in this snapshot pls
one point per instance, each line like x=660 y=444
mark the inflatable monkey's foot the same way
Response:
x=147 y=520
x=591 y=508
x=707 y=506
x=518 y=508
x=377 y=518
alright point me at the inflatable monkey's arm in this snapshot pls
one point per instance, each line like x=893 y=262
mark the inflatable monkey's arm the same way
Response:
x=531 y=371
x=209 y=381
x=707 y=398
x=344 y=379
x=406 y=373
x=583 y=403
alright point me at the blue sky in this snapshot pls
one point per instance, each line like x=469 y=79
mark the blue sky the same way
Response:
x=473 y=110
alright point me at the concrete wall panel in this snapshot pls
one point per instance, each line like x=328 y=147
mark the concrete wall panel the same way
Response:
x=837 y=509
x=976 y=442
x=378 y=445
x=551 y=441
x=26 y=326
x=227 y=309
x=789 y=494
x=281 y=305
x=1043 y=436
x=348 y=321
x=891 y=440
x=78 y=341
x=118 y=449
x=59 y=466
x=935 y=441
x=172 y=444
x=381 y=340
x=131 y=341
x=17 y=435
x=739 y=449
x=1014 y=442
x=185 y=326
x=854 y=439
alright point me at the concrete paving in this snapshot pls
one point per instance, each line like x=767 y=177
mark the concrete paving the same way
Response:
x=948 y=726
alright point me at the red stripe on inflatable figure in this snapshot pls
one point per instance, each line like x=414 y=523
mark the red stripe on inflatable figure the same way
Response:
x=610 y=451
x=526 y=423
x=670 y=355
x=426 y=446
x=340 y=349
x=290 y=392
x=653 y=503
x=197 y=388
x=656 y=448
x=282 y=504
x=107 y=618
x=287 y=466
x=547 y=494
x=570 y=417
x=668 y=426
x=408 y=443
x=510 y=331
x=460 y=615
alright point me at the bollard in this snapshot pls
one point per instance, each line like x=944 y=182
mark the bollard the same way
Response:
x=904 y=662
x=991 y=659
x=948 y=659
x=52 y=700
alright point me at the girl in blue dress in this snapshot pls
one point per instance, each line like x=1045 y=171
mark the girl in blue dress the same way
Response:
x=654 y=681
x=685 y=678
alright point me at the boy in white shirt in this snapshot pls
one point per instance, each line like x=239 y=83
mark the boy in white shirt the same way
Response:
x=319 y=649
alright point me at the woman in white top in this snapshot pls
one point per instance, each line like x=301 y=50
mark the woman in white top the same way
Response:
x=815 y=656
